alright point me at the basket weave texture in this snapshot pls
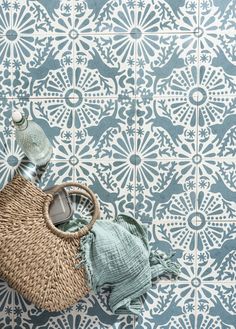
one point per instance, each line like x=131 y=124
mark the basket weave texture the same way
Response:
x=37 y=259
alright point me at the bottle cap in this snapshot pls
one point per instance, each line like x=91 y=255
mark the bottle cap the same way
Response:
x=17 y=116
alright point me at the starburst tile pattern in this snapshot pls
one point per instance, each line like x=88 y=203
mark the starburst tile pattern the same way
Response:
x=138 y=98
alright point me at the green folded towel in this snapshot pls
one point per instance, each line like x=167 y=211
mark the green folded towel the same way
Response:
x=116 y=253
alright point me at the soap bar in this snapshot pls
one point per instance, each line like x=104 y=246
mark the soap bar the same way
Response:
x=60 y=210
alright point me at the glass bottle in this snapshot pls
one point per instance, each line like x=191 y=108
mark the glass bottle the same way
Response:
x=32 y=139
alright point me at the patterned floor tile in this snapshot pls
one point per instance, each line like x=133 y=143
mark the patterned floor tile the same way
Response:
x=138 y=99
x=107 y=129
x=167 y=66
x=217 y=39
x=42 y=17
x=215 y=305
x=114 y=191
x=5 y=117
x=6 y=306
x=216 y=190
x=89 y=313
x=104 y=65
x=100 y=66
x=217 y=16
x=169 y=306
x=216 y=251
x=178 y=118
x=182 y=230
x=192 y=305
x=144 y=16
x=165 y=185
x=6 y=69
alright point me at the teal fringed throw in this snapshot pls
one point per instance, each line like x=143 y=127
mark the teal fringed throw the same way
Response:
x=116 y=253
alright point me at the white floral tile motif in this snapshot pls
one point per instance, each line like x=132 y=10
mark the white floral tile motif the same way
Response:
x=92 y=311
x=217 y=16
x=137 y=17
x=163 y=119
x=216 y=250
x=216 y=305
x=138 y=100
x=6 y=305
x=167 y=186
x=167 y=65
x=69 y=67
x=168 y=305
x=114 y=192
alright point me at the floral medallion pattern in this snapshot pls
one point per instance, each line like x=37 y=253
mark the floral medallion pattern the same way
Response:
x=138 y=98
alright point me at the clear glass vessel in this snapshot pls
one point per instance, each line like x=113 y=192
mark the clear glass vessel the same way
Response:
x=32 y=140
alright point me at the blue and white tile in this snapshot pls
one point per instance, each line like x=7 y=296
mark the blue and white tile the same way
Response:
x=217 y=15
x=216 y=190
x=108 y=64
x=6 y=69
x=217 y=41
x=216 y=250
x=168 y=305
x=165 y=185
x=167 y=129
x=7 y=61
x=6 y=105
x=166 y=65
x=177 y=173
x=179 y=226
x=89 y=313
x=6 y=306
x=115 y=191
x=94 y=66
x=145 y=16
x=43 y=17
x=37 y=65
x=39 y=110
x=215 y=305
x=216 y=51
x=10 y=158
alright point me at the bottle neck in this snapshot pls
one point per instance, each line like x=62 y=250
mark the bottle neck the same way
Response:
x=22 y=125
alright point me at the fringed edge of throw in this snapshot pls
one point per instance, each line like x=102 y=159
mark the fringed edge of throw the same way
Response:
x=162 y=264
x=83 y=255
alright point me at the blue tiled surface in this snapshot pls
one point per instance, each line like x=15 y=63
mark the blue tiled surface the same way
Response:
x=139 y=101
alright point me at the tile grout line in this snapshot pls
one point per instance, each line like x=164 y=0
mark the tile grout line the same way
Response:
x=73 y=86
x=136 y=118
x=197 y=169
x=73 y=130
x=113 y=97
x=101 y=34
x=12 y=138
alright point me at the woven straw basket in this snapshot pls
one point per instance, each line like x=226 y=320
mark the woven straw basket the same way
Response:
x=37 y=259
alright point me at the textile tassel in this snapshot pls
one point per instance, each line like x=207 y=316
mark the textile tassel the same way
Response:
x=165 y=261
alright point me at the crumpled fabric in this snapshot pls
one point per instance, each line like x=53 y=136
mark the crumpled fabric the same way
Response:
x=116 y=253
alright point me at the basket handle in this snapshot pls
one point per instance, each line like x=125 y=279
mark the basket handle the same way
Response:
x=87 y=192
